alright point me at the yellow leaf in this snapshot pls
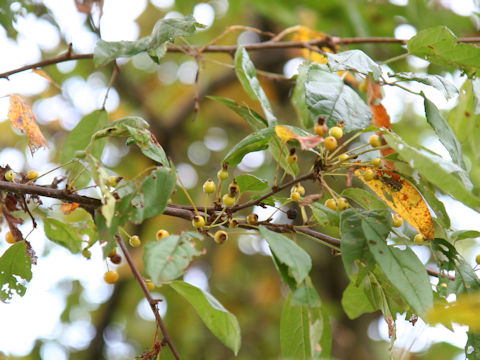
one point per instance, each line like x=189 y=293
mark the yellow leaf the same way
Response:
x=21 y=117
x=464 y=311
x=401 y=196
x=285 y=133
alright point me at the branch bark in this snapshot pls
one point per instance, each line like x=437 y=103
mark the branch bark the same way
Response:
x=267 y=45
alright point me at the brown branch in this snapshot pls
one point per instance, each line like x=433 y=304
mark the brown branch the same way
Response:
x=148 y=296
x=267 y=45
x=183 y=212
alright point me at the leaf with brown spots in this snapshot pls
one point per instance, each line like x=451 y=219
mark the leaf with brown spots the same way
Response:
x=401 y=196
x=21 y=116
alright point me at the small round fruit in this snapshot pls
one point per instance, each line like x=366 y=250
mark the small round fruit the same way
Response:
x=32 y=174
x=198 y=222
x=228 y=200
x=222 y=174
x=116 y=259
x=331 y=204
x=419 y=238
x=220 y=236
x=9 y=238
x=344 y=157
x=443 y=285
x=135 y=241
x=292 y=158
x=162 y=234
x=320 y=130
x=86 y=253
x=300 y=189
x=111 y=277
x=252 y=219
x=233 y=223
x=233 y=188
x=292 y=214
x=209 y=186
x=336 y=132
x=295 y=196
x=112 y=181
x=369 y=175
x=10 y=175
x=330 y=143
x=397 y=220
x=375 y=141
x=477 y=259
x=150 y=285
x=342 y=203
x=377 y=162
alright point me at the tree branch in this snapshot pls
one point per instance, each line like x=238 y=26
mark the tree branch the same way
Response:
x=266 y=45
x=148 y=296
x=184 y=212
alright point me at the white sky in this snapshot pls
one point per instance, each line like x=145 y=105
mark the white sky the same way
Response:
x=36 y=315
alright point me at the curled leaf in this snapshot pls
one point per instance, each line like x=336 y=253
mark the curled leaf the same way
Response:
x=21 y=117
x=309 y=141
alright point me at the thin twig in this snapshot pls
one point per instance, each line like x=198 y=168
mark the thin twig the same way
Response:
x=148 y=296
x=267 y=45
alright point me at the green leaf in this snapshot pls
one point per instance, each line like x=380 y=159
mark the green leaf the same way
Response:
x=328 y=96
x=465 y=278
x=165 y=30
x=439 y=172
x=222 y=323
x=136 y=129
x=62 y=234
x=354 y=238
x=288 y=253
x=299 y=99
x=444 y=132
x=138 y=202
x=365 y=198
x=402 y=268
x=78 y=140
x=255 y=121
x=251 y=183
x=439 y=45
x=167 y=259
x=303 y=331
x=472 y=347
x=355 y=302
x=247 y=75
x=253 y=142
x=15 y=271
x=382 y=295
x=306 y=294
x=465 y=234
x=324 y=215
x=295 y=331
x=152 y=198
x=438 y=82
x=354 y=60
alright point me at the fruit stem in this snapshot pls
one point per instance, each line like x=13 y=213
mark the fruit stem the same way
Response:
x=278 y=163
x=187 y=195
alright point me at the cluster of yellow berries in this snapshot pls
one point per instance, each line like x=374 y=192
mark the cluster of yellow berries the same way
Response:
x=296 y=192
x=340 y=203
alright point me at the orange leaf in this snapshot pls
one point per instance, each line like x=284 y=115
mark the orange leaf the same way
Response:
x=67 y=208
x=21 y=116
x=374 y=92
x=401 y=196
x=285 y=133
